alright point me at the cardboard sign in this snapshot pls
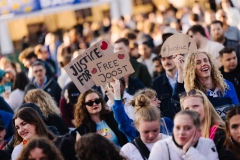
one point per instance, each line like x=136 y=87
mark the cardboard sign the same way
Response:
x=178 y=43
x=115 y=65
x=77 y=68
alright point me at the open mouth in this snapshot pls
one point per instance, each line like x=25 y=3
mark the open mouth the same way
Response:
x=204 y=69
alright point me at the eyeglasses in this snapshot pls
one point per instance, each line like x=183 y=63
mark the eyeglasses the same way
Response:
x=186 y=94
x=90 y=103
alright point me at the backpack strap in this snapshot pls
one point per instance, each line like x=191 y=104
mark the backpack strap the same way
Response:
x=142 y=148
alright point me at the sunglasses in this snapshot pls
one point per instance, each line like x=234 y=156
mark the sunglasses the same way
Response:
x=186 y=94
x=90 y=103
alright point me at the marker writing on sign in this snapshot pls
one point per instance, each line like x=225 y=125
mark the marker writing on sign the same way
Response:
x=80 y=68
x=175 y=48
x=111 y=74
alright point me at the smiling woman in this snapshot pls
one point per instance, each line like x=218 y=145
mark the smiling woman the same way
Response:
x=28 y=125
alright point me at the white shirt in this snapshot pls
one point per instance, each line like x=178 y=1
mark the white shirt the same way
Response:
x=16 y=151
x=127 y=107
x=205 y=150
x=132 y=153
x=149 y=63
x=213 y=49
x=15 y=99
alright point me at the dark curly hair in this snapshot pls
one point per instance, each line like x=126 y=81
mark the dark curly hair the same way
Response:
x=48 y=148
x=94 y=146
x=81 y=114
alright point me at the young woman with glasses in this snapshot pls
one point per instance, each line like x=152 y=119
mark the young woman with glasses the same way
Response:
x=212 y=125
x=92 y=116
x=186 y=142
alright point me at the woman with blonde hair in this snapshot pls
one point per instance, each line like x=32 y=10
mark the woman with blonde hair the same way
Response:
x=199 y=72
x=147 y=122
x=212 y=126
x=124 y=122
x=48 y=107
x=186 y=142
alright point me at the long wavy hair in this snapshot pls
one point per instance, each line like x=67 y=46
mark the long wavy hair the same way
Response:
x=81 y=114
x=31 y=116
x=230 y=143
x=94 y=146
x=191 y=80
x=211 y=117
x=43 y=100
x=48 y=148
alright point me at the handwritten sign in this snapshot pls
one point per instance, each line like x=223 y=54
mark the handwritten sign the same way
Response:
x=115 y=65
x=77 y=68
x=178 y=43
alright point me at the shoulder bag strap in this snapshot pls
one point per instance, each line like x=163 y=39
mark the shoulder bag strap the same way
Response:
x=142 y=148
x=169 y=158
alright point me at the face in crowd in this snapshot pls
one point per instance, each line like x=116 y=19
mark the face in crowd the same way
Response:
x=203 y=66
x=39 y=72
x=168 y=63
x=229 y=61
x=93 y=104
x=183 y=129
x=217 y=32
x=25 y=130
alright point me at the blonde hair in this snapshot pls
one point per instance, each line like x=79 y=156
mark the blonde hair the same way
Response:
x=144 y=110
x=211 y=117
x=150 y=93
x=43 y=100
x=191 y=80
x=3 y=62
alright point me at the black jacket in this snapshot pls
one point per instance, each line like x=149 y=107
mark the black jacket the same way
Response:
x=57 y=121
x=219 y=139
x=51 y=87
x=164 y=91
x=90 y=127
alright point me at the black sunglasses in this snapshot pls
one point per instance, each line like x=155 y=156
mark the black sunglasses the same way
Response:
x=90 y=103
x=192 y=92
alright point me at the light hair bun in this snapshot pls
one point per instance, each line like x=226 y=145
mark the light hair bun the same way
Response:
x=142 y=101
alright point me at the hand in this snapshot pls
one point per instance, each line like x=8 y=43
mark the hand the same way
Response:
x=179 y=61
x=192 y=141
x=116 y=87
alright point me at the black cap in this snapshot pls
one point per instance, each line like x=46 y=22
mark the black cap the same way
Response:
x=2 y=126
x=73 y=93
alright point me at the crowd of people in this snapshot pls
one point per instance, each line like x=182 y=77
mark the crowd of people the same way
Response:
x=184 y=106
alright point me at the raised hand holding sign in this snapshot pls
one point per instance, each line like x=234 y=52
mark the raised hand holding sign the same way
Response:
x=114 y=65
x=178 y=43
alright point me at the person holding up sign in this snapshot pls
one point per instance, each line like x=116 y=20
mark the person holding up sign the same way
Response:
x=200 y=72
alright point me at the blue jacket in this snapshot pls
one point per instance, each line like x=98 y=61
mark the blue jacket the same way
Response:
x=229 y=93
x=125 y=124
x=6 y=117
